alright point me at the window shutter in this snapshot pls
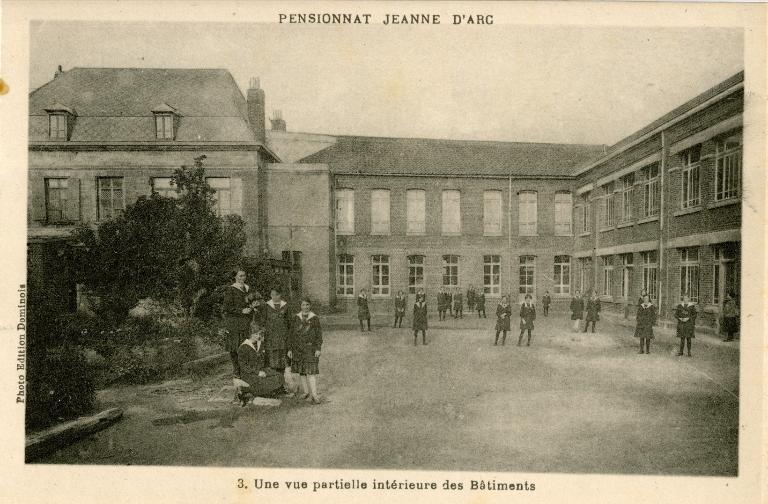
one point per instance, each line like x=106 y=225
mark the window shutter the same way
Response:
x=73 y=200
x=236 y=189
x=37 y=188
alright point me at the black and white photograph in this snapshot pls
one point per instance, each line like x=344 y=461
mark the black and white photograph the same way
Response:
x=388 y=241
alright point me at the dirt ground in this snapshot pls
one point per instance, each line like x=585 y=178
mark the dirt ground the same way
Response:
x=572 y=403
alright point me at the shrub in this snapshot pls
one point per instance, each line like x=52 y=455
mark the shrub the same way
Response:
x=60 y=386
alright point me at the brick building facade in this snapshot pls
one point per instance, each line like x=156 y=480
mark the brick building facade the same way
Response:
x=660 y=209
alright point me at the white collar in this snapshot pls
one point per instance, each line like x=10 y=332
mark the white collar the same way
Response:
x=248 y=342
x=309 y=315
x=646 y=305
x=238 y=288
x=272 y=303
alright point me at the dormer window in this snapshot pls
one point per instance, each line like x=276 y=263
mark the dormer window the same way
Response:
x=165 y=122
x=59 y=121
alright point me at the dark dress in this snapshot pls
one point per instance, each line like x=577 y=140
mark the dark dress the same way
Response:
x=251 y=362
x=646 y=319
x=686 y=329
x=546 y=301
x=307 y=339
x=458 y=302
x=443 y=301
x=399 y=306
x=527 y=313
x=480 y=301
x=577 y=308
x=593 y=310
x=236 y=323
x=470 y=298
x=502 y=322
x=276 y=328
x=730 y=323
x=362 y=308
x=420 y=317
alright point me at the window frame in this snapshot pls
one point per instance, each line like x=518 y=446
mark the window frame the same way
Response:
x=114 y=212
x=690 y=171
x=416 y=226
x=450 y=270
x=627 y=191
x=492 y=275
x=607 y=272
x=346 y=196
x=381 y=212
x=526 y=270
x=345 y=270
x=63 y=199
x=651 y=190
x=446 y=227
x=165 y=121
x=690 y=273
x=722 y=154
x=167 y=192
x=416 y=263
x=530 y=227
x=650 y=264
x=491 y=226
x=62 y=126
x=563 y=286
x=563 y=228
x=218 y=206
x=380 y=271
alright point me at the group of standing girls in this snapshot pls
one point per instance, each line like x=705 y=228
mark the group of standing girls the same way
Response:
x=451 y=303
x=419 y=322
x=266 y=343
x=504 y=315
x=588 y=310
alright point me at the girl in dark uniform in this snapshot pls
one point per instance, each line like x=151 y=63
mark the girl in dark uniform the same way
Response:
x=399 y=309
x=363 y=313
x=646 y=319
x=593 y=311
x=577 y=310
x=730 y=317
x=527 y=316
x=503 y=314
x=237 y=318
x=480 y=304
x=256 y=379
x=420 y=319
x=685 y=313
x=305 y=350
x=546 y=300
x=443 y=303
x=276 y=325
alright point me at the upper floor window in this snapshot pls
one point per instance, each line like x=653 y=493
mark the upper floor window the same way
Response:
x=164 y=126
x=416 y=211
x=380 y=211
x=111 y=197
x=585 y=213
x=450 y=270
x=627 y=192
x=451 y=212
x=691 y=195
x=650 y=176
x=345 y=211
x=164 y=186
x=492 y=213
x=728 y=167
x=563 y=213
x=528 y=213
x=57 y=126
x=607 y=213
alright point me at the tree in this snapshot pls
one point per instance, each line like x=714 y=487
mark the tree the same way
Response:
x=170 y=249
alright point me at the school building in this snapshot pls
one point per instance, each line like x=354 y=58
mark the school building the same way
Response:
x=659 y=210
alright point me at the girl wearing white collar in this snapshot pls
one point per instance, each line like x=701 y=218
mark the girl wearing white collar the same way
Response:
x=256 y=377
x=237 y=317
x=685 y=313
x=305 y=350
x=646 y=319
x=527 y=316
x=363 y=312
x=420 y=319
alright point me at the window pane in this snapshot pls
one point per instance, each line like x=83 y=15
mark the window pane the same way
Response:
x=563 y=213
x=527 y=215
x=492 y=213
x=345 y=216
x=451 y=212
x=416 y=206
x=380 y=211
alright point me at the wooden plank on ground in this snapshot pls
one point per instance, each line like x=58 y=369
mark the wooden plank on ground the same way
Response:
x=58 y=436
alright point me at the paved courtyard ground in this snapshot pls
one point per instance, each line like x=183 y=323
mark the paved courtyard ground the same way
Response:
x=575 y=403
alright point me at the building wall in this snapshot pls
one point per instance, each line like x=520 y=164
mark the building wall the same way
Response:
x=137 y=169
x=471 y=245
x=706 y=227
x=298 y=200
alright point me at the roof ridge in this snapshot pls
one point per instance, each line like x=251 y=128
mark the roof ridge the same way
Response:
x=459 y=140
x=146 y=68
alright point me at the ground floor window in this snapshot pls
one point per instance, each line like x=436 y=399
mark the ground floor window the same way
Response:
x=607 y=275
x=415 y=273
x=450 y=270
x=725 y=274
x=562 y=277
x=380 y=280
x=627 y=268
x=492 y=274
x=527 y=275
x=689 y=273
x=585 y=273
x=345 y=276
x=650 y=273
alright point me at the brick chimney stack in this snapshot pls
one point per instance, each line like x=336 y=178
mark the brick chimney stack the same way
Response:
x=59 y=71
x=256 y=110
x=278 y=123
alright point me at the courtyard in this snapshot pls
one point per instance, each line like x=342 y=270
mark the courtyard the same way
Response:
x=570 y=403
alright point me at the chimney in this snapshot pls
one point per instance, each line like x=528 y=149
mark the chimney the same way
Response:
x=278 y=124
x=58 y=72
x=256 y=112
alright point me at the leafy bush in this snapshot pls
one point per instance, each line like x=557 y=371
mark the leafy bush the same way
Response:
x=60 y=386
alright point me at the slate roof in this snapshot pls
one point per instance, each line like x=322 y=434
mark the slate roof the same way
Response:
x=357 y=155
x=116 y=104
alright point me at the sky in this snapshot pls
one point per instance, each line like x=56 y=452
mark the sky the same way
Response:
x=563 y=84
